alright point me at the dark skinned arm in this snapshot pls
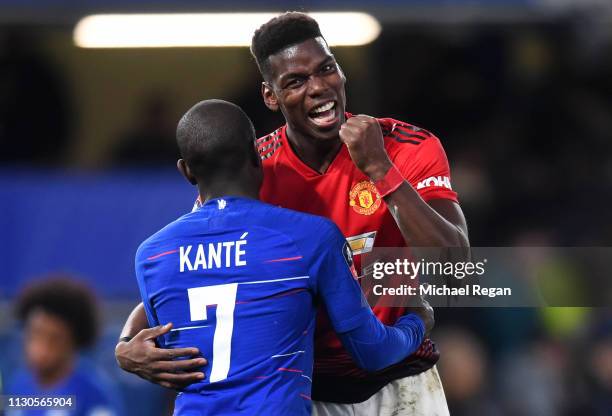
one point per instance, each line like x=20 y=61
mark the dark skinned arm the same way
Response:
x=439 y=223
x=141 y=356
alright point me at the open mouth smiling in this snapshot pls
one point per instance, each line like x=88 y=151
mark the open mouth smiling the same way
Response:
x=325 y=114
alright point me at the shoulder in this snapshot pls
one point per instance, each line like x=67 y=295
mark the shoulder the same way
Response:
x=407 y=143
x=299 y=223
x=405 y=136
x=21 y=381
x=268 y=145
x=310 y=235
x=310 y=232
x=165 y=233
x=94 y=386
x=89 y=378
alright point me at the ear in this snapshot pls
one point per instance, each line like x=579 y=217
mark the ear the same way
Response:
x=184 y=169
x=269 y=96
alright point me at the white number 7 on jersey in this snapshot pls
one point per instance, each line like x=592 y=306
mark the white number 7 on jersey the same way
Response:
x=224 y=296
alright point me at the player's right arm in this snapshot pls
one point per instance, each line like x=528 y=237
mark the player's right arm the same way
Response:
x=141 y=356
x=372 y=345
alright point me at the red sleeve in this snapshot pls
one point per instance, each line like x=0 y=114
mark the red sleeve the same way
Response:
x=427 y=170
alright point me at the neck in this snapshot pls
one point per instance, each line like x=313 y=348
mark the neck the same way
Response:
x=317 y=154
x=227 y=188
x=51 y=378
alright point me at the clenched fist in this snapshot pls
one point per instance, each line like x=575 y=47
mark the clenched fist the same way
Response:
x=363 y=137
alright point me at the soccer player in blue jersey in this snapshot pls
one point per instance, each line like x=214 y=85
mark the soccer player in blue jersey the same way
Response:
x=241 y=280
x=60 y=320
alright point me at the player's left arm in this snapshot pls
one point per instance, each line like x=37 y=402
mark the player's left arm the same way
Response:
x=437 y=223
x=137 y=351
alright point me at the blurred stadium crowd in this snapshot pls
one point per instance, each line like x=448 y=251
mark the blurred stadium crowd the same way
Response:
x=524 y=112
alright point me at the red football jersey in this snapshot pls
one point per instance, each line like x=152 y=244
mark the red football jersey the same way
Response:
x=346 y=196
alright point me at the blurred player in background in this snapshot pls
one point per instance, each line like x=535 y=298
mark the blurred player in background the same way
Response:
x=385 y=183
x=60 y=320
x=263 y=270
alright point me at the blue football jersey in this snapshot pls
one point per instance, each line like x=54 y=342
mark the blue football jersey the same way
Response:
x=242 y=280
x=92 y=393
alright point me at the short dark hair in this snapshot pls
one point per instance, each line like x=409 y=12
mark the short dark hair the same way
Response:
x=216 y=138
x=280 y=32
x=66 y=299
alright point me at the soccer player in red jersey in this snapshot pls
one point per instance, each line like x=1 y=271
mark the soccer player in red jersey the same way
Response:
x=385 y=183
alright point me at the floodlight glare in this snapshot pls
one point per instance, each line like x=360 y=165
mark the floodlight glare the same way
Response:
x=209 y=29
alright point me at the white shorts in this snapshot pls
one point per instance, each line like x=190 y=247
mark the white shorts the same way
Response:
x=420 y=395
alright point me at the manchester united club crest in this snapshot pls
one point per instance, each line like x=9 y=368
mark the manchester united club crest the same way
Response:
x=364 y=198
